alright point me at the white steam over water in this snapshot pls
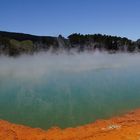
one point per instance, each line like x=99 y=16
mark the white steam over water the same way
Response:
x=41 y=64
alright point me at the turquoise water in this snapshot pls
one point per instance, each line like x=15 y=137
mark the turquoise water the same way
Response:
x=66 y=98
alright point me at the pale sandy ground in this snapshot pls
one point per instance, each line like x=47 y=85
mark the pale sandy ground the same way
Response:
x=126 y=127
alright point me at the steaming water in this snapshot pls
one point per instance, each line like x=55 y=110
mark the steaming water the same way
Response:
x=64 y=90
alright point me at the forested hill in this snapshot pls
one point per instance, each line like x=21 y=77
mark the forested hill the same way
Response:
x=14 y=44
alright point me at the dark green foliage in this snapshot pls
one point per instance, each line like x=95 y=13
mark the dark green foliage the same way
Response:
x=77 y=39
x=17 y=43
x=138 y=44
x=19 y=47
x=101 y=41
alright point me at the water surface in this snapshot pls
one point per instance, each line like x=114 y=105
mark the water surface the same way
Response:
x=45 y=90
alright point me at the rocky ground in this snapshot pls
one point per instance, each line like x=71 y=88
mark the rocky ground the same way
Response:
x=125 y=127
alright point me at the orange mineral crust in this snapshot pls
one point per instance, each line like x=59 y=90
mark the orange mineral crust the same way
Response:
x=126 y=127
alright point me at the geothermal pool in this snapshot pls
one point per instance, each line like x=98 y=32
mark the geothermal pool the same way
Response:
x=64 y=90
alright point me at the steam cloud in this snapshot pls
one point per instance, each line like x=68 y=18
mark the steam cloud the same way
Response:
x=41 y=64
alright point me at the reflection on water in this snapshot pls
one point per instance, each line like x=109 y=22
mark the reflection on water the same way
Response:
x=63 y=96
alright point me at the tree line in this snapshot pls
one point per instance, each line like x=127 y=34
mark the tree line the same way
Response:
x=14 y=44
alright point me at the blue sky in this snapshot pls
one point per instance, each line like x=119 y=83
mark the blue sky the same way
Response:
x=54 y=17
